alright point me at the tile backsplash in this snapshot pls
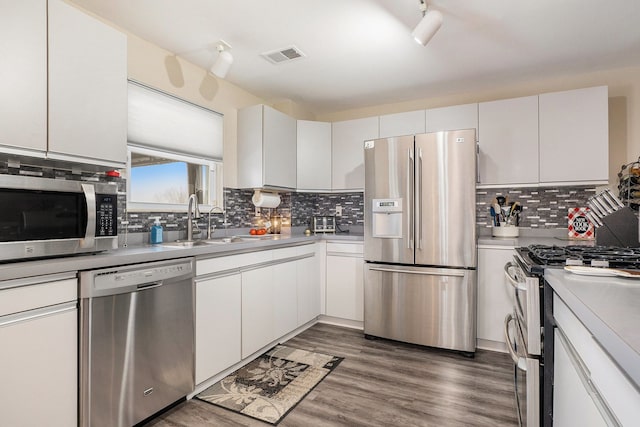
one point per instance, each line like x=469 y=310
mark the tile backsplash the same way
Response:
x=542 y=207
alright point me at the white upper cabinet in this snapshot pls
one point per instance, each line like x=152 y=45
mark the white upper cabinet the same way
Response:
x=409 y=123
x=313 y=156
x=347 y=151
x=80 y=114
x=23 y=77
x=452 y=118
x=508 y=139
x=574 y=136
x=266 y=148
x=87 y=88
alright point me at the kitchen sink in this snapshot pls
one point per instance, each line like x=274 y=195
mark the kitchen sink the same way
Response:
x=251 y=237
x=221 y=240
x=191 y=243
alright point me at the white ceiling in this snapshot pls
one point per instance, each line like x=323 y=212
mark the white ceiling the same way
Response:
x=361 y=53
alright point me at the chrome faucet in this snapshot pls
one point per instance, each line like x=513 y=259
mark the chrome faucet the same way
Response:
x=218 y=209
x=192 y=213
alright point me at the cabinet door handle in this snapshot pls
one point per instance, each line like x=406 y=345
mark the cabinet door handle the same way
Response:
x=477 y=163
x=37 y=313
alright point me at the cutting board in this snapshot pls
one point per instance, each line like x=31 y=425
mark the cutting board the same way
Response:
x=597 y=271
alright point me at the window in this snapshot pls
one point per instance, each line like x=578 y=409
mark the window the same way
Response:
x=175 y=149
x=160 y=181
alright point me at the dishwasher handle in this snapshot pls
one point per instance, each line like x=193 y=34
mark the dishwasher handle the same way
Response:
x=152 y=285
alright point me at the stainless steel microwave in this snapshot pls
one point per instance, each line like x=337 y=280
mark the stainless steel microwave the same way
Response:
x=42 y=217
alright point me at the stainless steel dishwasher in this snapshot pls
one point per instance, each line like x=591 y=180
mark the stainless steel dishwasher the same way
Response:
x=136 y=341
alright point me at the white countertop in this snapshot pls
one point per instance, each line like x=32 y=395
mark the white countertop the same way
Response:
x=610 y=309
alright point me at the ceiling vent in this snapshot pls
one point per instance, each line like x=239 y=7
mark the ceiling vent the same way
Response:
x=286 y=54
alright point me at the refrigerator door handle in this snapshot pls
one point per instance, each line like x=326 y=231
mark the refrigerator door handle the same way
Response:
x=410 y=173
x=424 y=273
x=477 y=163
x=418 y=215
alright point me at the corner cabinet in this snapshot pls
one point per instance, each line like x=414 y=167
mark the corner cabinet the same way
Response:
x=347 y=152
x=313 y=156
x=64 y=96
x=508 y=140
x=574 y=136
x=266 y=148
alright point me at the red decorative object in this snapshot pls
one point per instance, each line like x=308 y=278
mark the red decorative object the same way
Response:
x=112 y=174
x=579 y=225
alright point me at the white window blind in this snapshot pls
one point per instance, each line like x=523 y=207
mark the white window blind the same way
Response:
x=161 y=121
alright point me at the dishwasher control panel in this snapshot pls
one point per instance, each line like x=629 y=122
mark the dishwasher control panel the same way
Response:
x=130 y=277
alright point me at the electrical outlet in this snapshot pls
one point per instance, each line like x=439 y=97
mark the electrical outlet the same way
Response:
x=338 y=210
x=257 y=211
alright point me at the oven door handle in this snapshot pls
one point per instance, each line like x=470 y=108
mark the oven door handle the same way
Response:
x=90 y=234
x=520 y=362
x=517 y=285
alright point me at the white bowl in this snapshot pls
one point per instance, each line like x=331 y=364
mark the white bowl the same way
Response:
x=505 y=231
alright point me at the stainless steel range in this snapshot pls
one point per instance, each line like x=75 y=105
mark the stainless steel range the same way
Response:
x=529 y=330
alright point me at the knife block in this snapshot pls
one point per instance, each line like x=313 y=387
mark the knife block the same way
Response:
x=619 y=228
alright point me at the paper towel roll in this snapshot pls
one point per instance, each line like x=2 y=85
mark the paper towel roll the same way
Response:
x=265 y=200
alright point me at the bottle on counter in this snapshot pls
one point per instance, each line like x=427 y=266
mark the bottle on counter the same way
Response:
x=156 y=232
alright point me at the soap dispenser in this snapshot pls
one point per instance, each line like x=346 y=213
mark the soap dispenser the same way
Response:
x=156 y=232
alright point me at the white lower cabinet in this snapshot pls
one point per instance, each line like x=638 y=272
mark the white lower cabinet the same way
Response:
x=39 y=356
x=218 y=327
x=245 y=302
x=308 y=292
x=495 y=297
x=257 y=309
x=572 y=402
x=589 y=389
x=345 y=281
x=285 y=298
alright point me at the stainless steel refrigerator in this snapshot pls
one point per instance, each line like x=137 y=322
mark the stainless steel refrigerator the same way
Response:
x=420 y=239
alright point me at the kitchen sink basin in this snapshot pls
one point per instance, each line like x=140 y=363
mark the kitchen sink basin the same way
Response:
x=251 y=237
x=221 y=241
x=190 y=243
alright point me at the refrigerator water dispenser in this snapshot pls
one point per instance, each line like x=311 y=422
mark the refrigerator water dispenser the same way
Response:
x=387 y=218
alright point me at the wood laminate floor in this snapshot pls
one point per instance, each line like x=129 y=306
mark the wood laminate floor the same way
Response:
x=383 y=383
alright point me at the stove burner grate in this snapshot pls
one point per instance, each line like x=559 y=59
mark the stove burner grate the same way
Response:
x=596 y=256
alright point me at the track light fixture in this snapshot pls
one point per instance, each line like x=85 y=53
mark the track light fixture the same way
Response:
x=428 y=26
x=223 y=63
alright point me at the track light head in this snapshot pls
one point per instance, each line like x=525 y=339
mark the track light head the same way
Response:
x=223 y=62
x=427 y=27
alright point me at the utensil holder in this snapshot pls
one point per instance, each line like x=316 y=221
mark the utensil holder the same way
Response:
x=619 y=228
x=505 y=231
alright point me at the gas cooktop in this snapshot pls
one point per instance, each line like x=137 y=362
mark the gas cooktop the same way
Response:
x=541 y=256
